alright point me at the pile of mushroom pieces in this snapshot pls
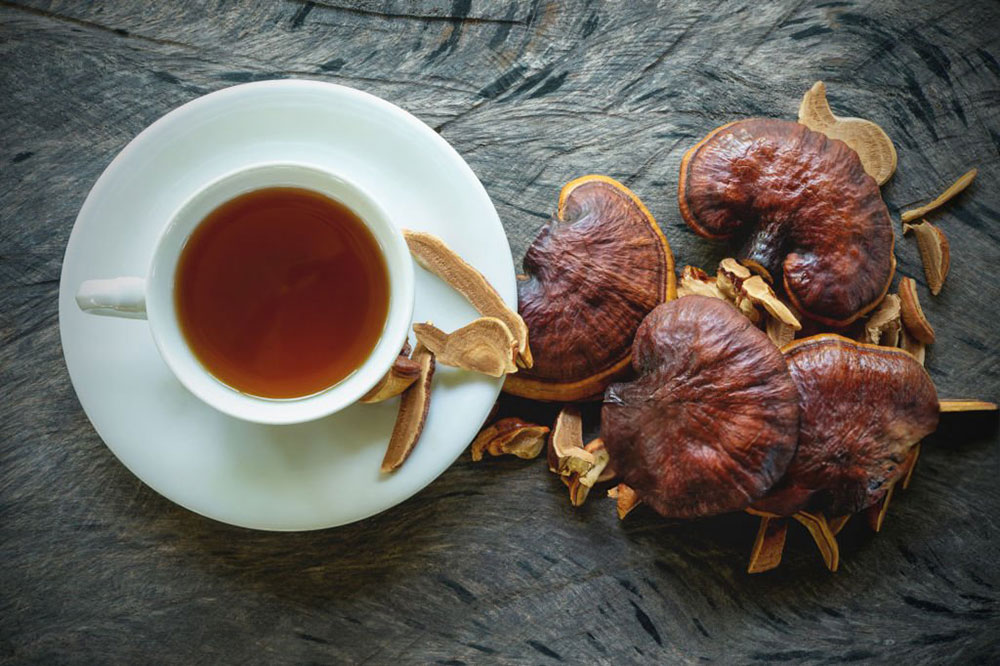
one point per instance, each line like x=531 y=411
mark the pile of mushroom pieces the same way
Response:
x=788 y=384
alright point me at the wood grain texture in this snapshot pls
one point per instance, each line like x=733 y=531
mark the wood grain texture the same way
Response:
x=490 y=564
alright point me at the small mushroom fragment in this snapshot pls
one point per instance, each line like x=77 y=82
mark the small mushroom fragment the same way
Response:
x=967 y=406
x=592 y=273
x=580 y=484
x=710 y=423
x=401 y=375
x=821 y=533
x=963 y=182
x=779 y=332
x=510 y=436
x=696 y=281
x=913 y=316
x=912 y=346
x=433 y=255
x=413 y=406
x=626 y=499
x=882 y=328
x=566 y=454
x=485 y=346
x=760 y=293
x=935 y=253
x=862 y=409
x=769 y=544
x=873 y=145
x=812 y=219
x=729 y=278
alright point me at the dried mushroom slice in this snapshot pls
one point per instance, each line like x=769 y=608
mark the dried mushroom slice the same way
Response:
x=594 y=271
x=566 y=453
x=862 y=409
x=953 y=190
x=401 y=375
x=872 y=144
x=711 y=421
x=485 y=346
x=413 y=407
x=807 y=212
x=913 y=315
x=935 y=253
x=509 y=436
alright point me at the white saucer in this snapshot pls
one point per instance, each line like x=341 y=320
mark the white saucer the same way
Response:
x=301 y=477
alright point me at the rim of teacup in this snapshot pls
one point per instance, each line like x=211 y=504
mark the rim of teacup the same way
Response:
x=172 y=345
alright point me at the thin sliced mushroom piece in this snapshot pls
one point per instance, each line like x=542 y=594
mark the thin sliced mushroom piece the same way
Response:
x=911 y=464
x=916 y=348
x=510 y=436
x=875 y=514
x=837 y=524
x=401 y=375
x=625 y=498
x=566 y=454
x=963 y=182
x=882 y=328
x=820 y=531
x=769 y=544
x=696 y=281
x=760 y=293
x=935 y=253
x=435 y=256
x=413 y=407
x=869 y=141
x=970 y=405
x=485 y=346
x=914 y=321
x=580 y=484
x=779 y=332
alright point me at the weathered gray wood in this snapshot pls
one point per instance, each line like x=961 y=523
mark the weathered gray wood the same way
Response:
x=490 y=564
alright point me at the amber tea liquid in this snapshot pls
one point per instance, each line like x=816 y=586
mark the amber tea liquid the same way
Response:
x=281 y=292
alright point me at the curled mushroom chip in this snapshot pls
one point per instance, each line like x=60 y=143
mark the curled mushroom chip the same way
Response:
x=594 y=271
x=809 y=216
x=862 y=409
x=711 y=421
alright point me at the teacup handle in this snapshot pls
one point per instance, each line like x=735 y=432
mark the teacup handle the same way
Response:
x=117 y=297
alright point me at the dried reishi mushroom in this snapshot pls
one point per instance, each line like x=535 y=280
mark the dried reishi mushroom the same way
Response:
x=711 y=421
x=566 y=454
x=401 y=375
x=882 y=328
x=935 y=253
x=913 y=316
x=872 y=144
x=435 y=256
x=729 y=278
x=811 y=217
x=963 y=182
x=626 y=499
x=485 y=346
x=413 y=407
x=510 y=436
x=594 y=271
x=862 y=409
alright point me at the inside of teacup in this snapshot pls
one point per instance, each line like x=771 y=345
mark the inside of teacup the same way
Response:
x=281 y=292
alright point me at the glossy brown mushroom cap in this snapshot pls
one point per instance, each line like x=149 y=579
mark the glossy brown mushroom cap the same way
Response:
x=862 y=408
x=594 y=271
x=711 y=422
x=803 y=205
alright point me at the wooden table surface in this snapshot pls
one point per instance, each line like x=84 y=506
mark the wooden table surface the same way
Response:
x=490 y=564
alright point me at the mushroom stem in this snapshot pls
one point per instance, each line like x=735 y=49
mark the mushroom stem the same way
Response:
x=820 y=531
x=769 y=544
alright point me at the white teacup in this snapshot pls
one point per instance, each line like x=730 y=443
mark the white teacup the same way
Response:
x=152 y=297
